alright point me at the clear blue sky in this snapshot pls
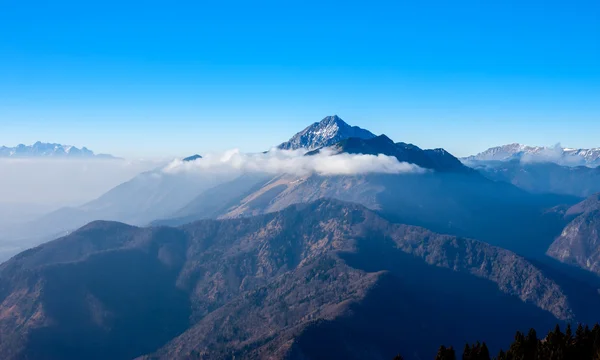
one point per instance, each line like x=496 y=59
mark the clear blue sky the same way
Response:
x=172 y=78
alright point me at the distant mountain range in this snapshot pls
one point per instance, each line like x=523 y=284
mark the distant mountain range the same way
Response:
x=557 y=154
x=40 y=149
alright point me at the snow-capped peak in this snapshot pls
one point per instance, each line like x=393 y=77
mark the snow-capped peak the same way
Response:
x=327 y=132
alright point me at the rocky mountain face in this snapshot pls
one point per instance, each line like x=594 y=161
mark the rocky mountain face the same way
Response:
x=40 y=149
x=581 y=181
x=579 y=242
x=320 y=280
x=327 y=132
x=556 y=154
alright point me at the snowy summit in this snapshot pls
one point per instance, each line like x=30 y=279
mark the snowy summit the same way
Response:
x=327 y=132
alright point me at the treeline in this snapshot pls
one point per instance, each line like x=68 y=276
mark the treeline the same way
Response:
x=584 y=344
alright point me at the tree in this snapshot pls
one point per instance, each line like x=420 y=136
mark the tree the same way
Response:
x=583 y=345
x=530 y=346
x=446 y=353
x=596 y=343
x=467 y=352
x=580 y=332
x=501 y=355
x=518 y=347
x=483 y=353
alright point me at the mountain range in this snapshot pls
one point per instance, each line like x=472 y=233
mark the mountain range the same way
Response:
x=321 y=280
x=262 y=265
x=449 y=198
x=556 y=154
x=40 y=149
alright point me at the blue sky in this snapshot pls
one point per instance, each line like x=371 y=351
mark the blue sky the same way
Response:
x=161 y=79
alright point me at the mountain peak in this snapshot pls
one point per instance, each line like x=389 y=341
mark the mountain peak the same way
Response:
x=192 y=158
x=333 y=119
x=327 y=132
x=383 y=138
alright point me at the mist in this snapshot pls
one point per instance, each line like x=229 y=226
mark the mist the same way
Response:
x=47 y=183
x=275 y=161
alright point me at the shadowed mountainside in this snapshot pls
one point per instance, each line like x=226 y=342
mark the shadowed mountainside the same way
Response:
x=579 y=242
x=266 y=287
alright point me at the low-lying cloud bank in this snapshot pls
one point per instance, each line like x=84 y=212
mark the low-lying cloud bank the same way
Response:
x=62 y=182
x=295 y=162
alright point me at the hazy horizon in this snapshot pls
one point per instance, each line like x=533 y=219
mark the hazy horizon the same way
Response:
x=161 y=153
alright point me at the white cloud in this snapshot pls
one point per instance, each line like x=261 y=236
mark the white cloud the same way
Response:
x=294 y=162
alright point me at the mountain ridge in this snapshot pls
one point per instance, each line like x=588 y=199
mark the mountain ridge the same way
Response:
x=556 y=154
x=40 y=149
